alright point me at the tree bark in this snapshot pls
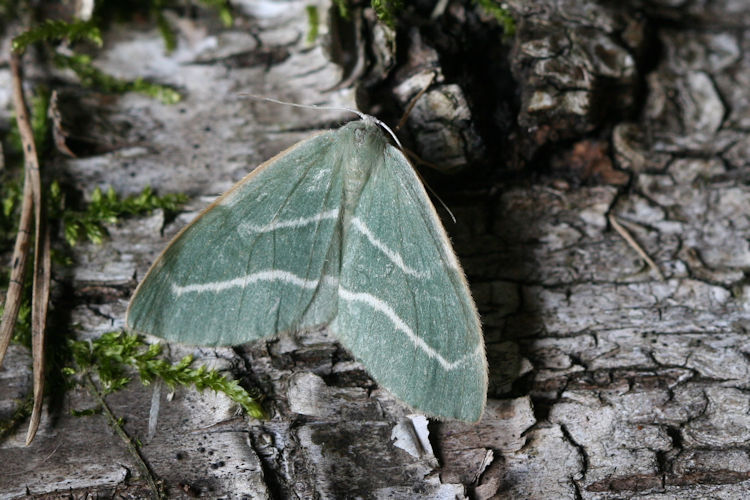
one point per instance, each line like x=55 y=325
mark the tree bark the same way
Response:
x=606 y=381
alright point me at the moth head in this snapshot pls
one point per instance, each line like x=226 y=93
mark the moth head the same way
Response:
x=367 y=133
x=371 y=121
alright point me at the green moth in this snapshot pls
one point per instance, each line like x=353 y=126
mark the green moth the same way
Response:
x=338 y=231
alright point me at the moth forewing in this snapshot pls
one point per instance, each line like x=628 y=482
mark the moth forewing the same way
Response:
x=238 y=272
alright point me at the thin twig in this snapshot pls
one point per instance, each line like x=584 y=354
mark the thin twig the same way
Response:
x=634 y=245
x=42 y=261
x=413 y=102
x=114 y=422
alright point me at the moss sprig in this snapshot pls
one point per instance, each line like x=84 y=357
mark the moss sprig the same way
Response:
x=343 y=8
x=40 y=123
x=20 y=414
x=115 y=355
x=22 y=330
x=51 y=30
x=107 y=207
x=500 y=13
x=386 y=10
x=11 y=190
x=223 y=8
x=90 y=76
x=313 y=21
x=165 y=29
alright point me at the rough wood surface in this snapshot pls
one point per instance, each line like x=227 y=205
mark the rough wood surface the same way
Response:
x=606 y=381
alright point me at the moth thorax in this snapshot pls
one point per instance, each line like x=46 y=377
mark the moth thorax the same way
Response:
x=363 y=158
x=353 y=184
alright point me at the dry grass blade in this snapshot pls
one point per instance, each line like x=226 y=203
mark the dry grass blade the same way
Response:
x=42 y=261
x=13 y=297
x=40 y=302
x=59 y=134
x=635 y=246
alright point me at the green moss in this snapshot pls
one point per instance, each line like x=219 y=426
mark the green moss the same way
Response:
x=313 y=20
x=115 y=356
x=40 y=122
x=20 y=414
x=90 y=76
x=51 y=30
x=22 y=330
x=167 y=33
x=89 y=221
x=86 y=412
x=386 y=10
x=343 y=7
x=106 y=208
x=501 y=14
x=40 y=125
x=11 y=191
x=223 y=8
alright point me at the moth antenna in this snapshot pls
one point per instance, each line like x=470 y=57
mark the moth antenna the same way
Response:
x=438 y=198
x=411 y=154
x=306 y=106
x=385 y=127
x=363 y=116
